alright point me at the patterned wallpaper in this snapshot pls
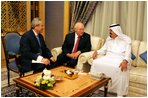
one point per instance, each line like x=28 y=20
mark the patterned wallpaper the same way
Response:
x=13 y=16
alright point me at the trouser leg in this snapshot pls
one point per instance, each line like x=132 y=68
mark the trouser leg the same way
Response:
x=37 y=67
x=51 y=65
x=72 y=63
x=61 y=59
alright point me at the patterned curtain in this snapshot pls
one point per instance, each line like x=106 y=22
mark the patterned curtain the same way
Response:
x=13 y=16
x=81 y=11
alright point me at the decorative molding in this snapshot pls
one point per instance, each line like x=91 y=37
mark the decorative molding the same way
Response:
x=42 y=14
x=13 y=16
x=66 y=18
x=28 y=8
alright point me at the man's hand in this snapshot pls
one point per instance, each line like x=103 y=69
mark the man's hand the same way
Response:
x=75 y=55
x=70 y=55
x=94 y=55
x=45 y=61
x=123 y=65
x=52 y=59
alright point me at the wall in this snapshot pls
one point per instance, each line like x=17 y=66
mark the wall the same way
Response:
x=54 y=12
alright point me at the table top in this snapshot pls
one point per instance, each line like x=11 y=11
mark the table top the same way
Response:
x=66 y=87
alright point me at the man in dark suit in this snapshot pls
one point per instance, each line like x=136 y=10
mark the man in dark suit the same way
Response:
x=75 y=43
x=34 y=53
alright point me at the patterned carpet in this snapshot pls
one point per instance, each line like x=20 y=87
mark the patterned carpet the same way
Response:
x=4 y=81
x=11 y=90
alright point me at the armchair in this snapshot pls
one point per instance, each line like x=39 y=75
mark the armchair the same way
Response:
x=56 y=51
x=11 y=51
x=96 y=43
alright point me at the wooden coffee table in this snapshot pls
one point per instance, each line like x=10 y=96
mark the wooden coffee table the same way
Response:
x=81 y=86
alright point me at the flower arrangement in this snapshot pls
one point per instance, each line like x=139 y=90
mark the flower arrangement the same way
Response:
x=45 y=81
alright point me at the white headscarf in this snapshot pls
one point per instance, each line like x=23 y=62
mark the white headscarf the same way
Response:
x=117 y=29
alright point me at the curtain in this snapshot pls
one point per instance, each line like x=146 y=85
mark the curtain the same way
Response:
x=131 y=15
x=81 y=11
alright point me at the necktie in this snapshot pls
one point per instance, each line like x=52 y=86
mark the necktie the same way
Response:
x=40 y=50
x=76 y=45
x=38 y=40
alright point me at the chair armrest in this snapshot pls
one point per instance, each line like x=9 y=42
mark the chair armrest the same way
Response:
x=56 y=51
x=83 y=58
x=11 y=55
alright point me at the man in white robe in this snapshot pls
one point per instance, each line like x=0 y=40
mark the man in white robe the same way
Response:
x=116 y=62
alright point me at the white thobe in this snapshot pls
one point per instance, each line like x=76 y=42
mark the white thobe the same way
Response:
x=115 y=50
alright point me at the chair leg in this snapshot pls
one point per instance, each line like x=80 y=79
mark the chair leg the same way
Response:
x=22 y=74
x=8 y=75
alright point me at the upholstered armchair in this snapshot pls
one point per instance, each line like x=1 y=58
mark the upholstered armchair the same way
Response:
x=11 y=44
x=96 y=43
x=56 y=51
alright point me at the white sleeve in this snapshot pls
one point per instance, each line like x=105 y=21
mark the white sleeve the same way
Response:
x=128 y=53
x=102 y=51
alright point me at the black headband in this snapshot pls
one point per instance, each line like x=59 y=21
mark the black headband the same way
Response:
x=114 y=25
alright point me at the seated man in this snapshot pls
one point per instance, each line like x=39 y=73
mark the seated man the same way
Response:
x=115 y=63
x=75 y=43
x=34 y=53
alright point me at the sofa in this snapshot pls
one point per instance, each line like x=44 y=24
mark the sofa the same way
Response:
x=138 y=69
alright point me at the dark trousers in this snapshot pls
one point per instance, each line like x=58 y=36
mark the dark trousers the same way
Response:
x=63 y=59
x=38 y=67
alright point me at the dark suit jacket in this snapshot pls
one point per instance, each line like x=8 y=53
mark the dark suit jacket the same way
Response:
x=29 y=49
x=84 y=43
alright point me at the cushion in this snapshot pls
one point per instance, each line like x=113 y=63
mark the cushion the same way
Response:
x=138 y=75
x=144 y=56
x=95 y=43
x=133 y=56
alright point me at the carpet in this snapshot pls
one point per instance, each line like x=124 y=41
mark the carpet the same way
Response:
x=10 y=91
x=13 y=75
